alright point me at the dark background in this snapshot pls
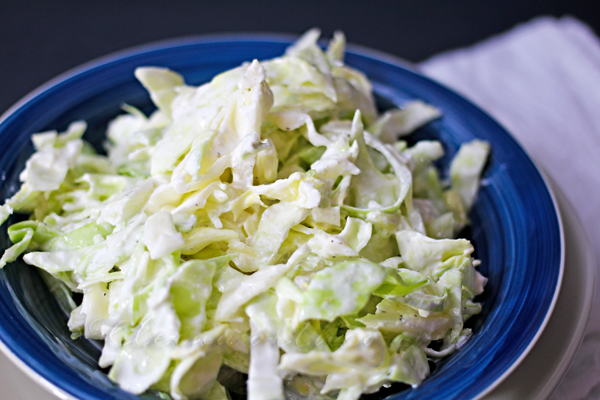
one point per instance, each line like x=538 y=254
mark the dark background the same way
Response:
x=41 y=39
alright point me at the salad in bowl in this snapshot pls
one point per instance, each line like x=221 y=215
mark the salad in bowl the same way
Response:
x=271 y=222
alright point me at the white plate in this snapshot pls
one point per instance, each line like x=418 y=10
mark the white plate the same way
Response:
x=535 y=378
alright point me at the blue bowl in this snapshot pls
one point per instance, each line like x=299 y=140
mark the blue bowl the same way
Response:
x=515 y=226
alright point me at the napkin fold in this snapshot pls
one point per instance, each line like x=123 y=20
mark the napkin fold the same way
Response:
x=541 y=81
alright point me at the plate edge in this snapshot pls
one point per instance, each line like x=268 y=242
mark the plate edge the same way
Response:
x=590 y=287
x=34 y=376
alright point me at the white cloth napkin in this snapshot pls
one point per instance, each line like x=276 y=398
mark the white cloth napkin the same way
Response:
x=541 y=81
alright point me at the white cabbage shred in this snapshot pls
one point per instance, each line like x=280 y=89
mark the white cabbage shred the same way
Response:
x=269 y=221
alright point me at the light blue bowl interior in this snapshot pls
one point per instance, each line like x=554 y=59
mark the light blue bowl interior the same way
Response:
x=515 y=229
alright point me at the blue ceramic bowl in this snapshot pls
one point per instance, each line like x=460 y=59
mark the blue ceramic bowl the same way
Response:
x=515 y=226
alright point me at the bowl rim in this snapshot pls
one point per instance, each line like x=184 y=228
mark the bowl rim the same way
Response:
x=285 y=37
x=544 y=323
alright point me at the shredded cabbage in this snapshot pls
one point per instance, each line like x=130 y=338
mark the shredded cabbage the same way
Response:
x=268 y=222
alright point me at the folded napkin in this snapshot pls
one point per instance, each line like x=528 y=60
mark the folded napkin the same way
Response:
x=541 y=80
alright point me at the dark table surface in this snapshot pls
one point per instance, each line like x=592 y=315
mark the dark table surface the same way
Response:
x=41 y=39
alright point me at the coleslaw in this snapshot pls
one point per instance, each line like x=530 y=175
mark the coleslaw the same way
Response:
x=270 y=222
